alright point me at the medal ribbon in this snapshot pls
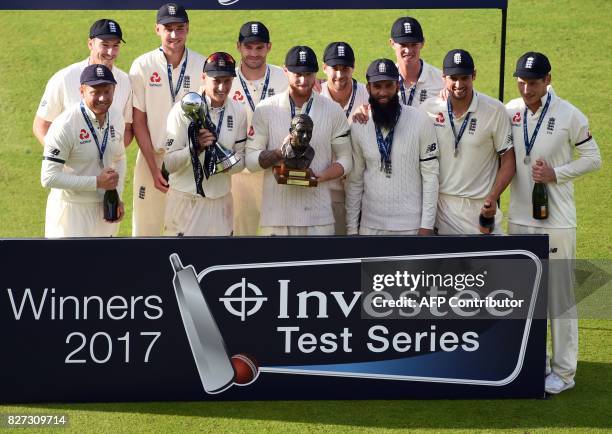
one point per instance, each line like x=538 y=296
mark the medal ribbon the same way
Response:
x=530 y=142
x=412 y=88
x=350 y=106
x=305 y=112
x=173 y=92
x=92 y=130
x=384 y=146
x=264 y=90
x=198 y=171
x=449 y=107
x=209 y=156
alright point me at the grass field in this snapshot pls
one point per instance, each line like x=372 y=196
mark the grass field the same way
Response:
x=578 y=40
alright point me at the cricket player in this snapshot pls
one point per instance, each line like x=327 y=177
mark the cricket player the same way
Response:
x=547 y=132
x=418 y=79
x=63 y=89
x=393 y=187
x=472 y=132
x=159 y=78
x=256 y=80
x=84 y=156
x=342 y=88
x=198 y=205
x=290 y=209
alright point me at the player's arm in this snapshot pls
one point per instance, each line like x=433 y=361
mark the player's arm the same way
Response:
x=430 y=170
x=178 y=154
x=257 y=154
x=589 y=157
x=341 y=148
x=240 y=143
x=40 y=128
x=354 y=184
x=504 y=146
x=128 y=112
x=143 y=139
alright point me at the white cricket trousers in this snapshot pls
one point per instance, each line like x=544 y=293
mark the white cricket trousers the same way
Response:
x=73 y=219
x=459 y=216
x=247 y=189
x=149 y=203
x=193 y=215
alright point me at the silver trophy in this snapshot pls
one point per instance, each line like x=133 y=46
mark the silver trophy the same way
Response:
x=194 y=108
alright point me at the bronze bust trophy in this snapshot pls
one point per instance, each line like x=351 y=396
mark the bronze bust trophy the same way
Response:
x=297 y=155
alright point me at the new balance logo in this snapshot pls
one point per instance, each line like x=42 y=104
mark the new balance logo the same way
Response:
x=254 y=29
x=302 y=55
x=54 y=151
x=407 y=28
x=431 y=148
x=457 y=58
x=529 y=63
x=341 y=50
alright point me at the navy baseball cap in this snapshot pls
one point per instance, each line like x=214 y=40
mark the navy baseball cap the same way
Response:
x=253 y=31
x=220 y=64
x=106 y=29
x=172 y=13
x=339 y=53
x=532 y=65
x=96 y=74
x=458 y=62
x=407 y=30
x=301 y=59
x=382 y=69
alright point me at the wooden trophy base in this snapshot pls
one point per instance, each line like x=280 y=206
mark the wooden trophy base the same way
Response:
x=301 y=177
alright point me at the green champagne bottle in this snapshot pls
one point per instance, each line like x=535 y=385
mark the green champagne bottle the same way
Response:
x=539 y=199
x=111 y=205
x=165 y=172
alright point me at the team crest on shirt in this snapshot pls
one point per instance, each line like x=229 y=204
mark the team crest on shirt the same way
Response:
x=551 y=126
x=230 y=123
x=271 y=92
x=112 y=132
x=84 y=136
x=187 y=82
x=472 y=126
x=251 y=131
x=516 y=119
x=423 y=95
x=155 y=80
x=238 y=97
x=439 y=120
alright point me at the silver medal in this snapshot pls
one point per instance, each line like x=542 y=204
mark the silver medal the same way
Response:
x=527 y=159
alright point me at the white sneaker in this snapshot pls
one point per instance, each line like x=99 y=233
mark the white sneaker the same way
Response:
x=555 y=384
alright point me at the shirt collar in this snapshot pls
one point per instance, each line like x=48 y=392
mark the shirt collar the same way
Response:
x=93 y=118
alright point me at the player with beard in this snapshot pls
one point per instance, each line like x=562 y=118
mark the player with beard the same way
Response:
x=393 y=188
x=473 y=133
x=341 y=87
x=256 y=80
x=290 y=209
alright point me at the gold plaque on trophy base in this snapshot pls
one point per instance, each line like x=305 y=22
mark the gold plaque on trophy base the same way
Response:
x=301 y=177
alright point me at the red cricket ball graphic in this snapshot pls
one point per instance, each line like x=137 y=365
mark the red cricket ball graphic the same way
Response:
x=245 y=368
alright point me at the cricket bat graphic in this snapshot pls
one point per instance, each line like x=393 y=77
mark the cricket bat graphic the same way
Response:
x=207 y=345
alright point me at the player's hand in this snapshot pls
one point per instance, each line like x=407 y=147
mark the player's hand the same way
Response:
x=159 y=181
x=362 y=114
x=205 y=139
x=489 y=208
x=542 y=172
x=108 y=179
x=425 y=231
x=443 y=94
x=317 y=85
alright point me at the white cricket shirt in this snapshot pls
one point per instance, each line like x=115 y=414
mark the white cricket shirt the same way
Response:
x=178 y=157
x=563 y=129
x=407 y=199
x=64 y=89
x=428 y=85
x=151 y=89
x=471 y=174
x=71 y=161
x=290 y=205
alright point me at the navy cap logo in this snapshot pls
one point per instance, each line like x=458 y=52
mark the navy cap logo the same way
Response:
x=112 y=27
x=254 y=28
x=171 y=9
x=302 y=55
x=221 y=62
x=407 y=28
x=457 y=58
x=382 y=67
x=99 y=71
x=341 y=50
x=529 y=63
